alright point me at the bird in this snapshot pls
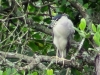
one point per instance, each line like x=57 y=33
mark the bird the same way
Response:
x=63 y=32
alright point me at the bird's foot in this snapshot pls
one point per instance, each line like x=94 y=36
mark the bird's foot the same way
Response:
x=62 y=61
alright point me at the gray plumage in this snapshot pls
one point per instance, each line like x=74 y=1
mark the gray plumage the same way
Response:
x=63 y=31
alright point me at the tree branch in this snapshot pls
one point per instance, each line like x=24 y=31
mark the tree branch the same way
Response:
x=37 y=60
x=82 y=11
x=97 y=64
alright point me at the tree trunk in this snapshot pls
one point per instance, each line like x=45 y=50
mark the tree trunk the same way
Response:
x=97 y=64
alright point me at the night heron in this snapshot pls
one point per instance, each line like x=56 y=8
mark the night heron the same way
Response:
x=63 y=31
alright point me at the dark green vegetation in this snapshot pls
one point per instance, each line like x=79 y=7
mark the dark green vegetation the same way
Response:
x=26 y=43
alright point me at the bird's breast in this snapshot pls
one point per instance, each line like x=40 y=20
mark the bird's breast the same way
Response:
x=63 y=28
x=60 y=30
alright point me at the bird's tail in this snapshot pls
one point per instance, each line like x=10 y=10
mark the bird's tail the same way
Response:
x=67 y=47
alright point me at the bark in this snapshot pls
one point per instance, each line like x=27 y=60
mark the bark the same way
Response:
x=97 y=64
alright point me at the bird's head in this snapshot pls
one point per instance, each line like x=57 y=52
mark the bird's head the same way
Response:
x=56 y=18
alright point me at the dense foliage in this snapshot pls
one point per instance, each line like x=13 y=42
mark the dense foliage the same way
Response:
x=26 y=41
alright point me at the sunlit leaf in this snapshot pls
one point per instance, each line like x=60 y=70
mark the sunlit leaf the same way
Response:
x=98 y=28
x=94 y=28
x=49 y=72
x=34 y=73
x=96 y=38
x=82 y=24
x=1 y=72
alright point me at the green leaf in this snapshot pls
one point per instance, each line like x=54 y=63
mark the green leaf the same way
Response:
x=82 y=33
x=62 y=8
x=57 y=9
x=17 y=74
x=35 y=73
x=47 y=20
x=94 y=28
x=96 y=38
x=86 y=67
x=24 y=29
x=31 y=8
x=80 y=1
x=89 y=11
x=86 y=6
x=88 y=35
x=68 y=3
x=82 y=25
x=1 y=72
x=33 y=46
x=40 y=44
x=14 y=70
x=49 y=72
x=75 y=72
x=77 y=29
x=23 y=72
x=37 y=18
x=63 y=2
x=5 y=3
x=36 y=36
x=43 y=9
x=7 y=72
x=98 y=28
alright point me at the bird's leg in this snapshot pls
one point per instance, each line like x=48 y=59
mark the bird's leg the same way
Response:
x=62 y=57
x=56 y=55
